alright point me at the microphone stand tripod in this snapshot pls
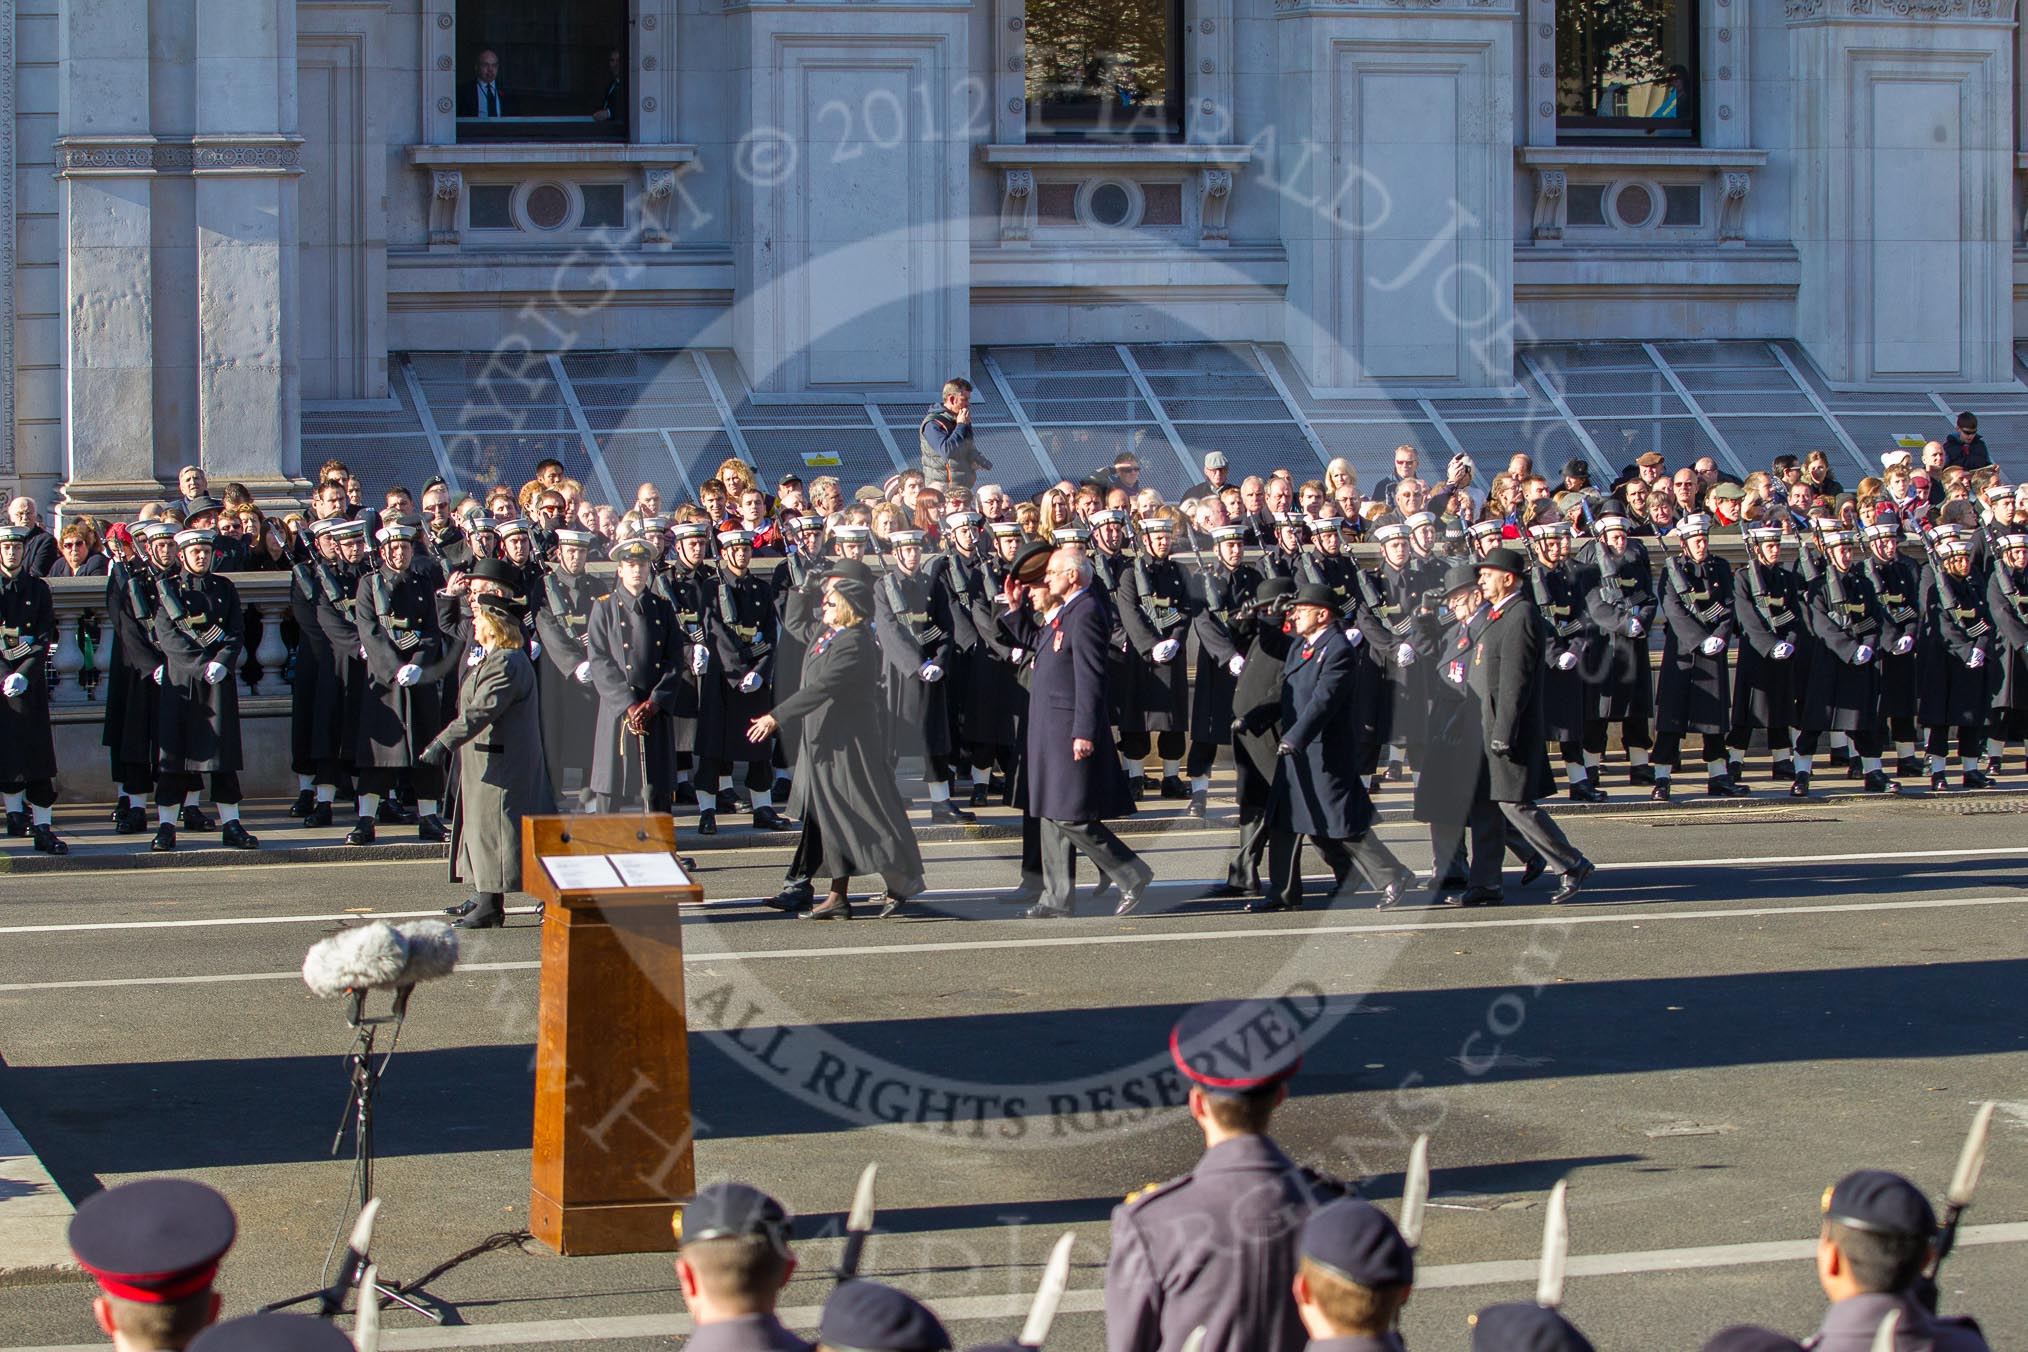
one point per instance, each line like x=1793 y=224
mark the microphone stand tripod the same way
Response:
x=365 y=1075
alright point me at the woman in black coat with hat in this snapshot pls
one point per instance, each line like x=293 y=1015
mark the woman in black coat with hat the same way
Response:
x=853 y=818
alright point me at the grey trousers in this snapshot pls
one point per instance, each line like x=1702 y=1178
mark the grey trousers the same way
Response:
x=1061 y=842
x=1541 y=833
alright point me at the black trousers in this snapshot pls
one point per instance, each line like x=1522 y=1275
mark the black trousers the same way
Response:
x=40 y=792
x=1363 y=852
x=1669 y=748
x=1971 y=743
x=425 y=781
x=1487 y=832
x=1867 y=743
x=1244 y=869
x=1060 y=844
x=1135 y=743
x=1779 y=738
x=173 y=786
x=1541 y=833
x=1203 y=755
x=760 y=774
x=1634 y=731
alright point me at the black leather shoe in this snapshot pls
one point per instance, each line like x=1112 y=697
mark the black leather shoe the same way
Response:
x=726 y=801
x=686 y=795
x=1391 y=895
x=980 y=795
x=305 y=800
x=133 y=821
x=1908 y=767
x=1936 y=781
x=1533 y=869
x=432 y=829
x=784 y=786
x=1878 y=782
x=1573 y=881
x=1592 y=792
x=707 y=822
x=1481 y=896
x=793 y=898
x=395 y=814
x=1137 y=787
x=767 y=819
x=1660 y=793
x=319 y=815
x=165 y=839
x=17 y=825
x=1173 y=787
x=194 y=819
x=46 y=840
x=947 y=813
x=235 y=836
x=1198 y=806
x=1043 y=911
x=1800 y=786
x=1735 y=770
x=1784 y=769
x=361 y=832
x=1726 y=788
x=1264 y=907
x=1131 y=898
x=465 y=907
x=832 y=907
x=491 y=918
x=1641 y=774
x=890 y=906
x=1976 y=779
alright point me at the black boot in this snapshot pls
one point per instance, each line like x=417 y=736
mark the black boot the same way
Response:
x=305 y=800
x=195 y=820
x=707 y=822
x=235 y=836
x=767 y=819
x=1196 y=810
x=1173 y=787
x=1785 y=768
x=1722 y=787
x=793 y=897
x=1800 y=786
x=165 y=839
x=1909 y=767
x=1878 y=782
x=686 y=794
x=947 y=813
x=133 y=820
x=17 y=824
x=319 y=815
x=726 y=801
x=1660 y=793
x=432 y=829
x=980 y=795
x=1976 y=779
x=1936 y=781
x=46 y=839
x=1642 y=774
x=486 y=913
x=361 y=833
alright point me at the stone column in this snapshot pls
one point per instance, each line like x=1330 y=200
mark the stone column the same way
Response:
x=1393 y=159
x=1902 y=207
x=246 y=160
x=106 y=156
x=850 y=196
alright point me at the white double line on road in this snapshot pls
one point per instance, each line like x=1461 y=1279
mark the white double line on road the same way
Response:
x=702 y=915
x=1091 y=1300
x=1407 y=924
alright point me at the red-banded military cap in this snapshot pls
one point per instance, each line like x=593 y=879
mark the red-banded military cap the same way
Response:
x=155 y=1241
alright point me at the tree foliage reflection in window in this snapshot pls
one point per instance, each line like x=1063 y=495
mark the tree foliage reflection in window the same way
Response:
x=1110 y=69
x=1627 y=67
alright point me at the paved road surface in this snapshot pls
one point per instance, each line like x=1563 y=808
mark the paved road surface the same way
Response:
x=1700 y=1047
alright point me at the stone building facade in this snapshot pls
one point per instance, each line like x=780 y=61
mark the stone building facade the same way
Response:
x=227 y=214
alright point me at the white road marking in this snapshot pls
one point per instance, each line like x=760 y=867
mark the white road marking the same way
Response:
x=1091 y=1300
x=1560 y=916
x=1782 y=862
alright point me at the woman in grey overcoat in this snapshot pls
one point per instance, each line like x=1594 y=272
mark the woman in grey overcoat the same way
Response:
x=501 y=776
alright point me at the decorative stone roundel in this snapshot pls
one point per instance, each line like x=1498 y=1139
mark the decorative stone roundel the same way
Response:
x=1014 y=24
x=1634 y=204
x=648 y=63
x=648 y=22
x=548 y=206
x=444 y=21
x=1545 y=109
x=1206 y=67
x=1207 y=25
x=443 y=105
x=1110 y=205
x=1544 y=70
x=648 y=104
x=443 y=63
x=1014 y=105
x=1725 y=112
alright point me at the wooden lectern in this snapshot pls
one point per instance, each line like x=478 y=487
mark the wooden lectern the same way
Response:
x=612 y=1058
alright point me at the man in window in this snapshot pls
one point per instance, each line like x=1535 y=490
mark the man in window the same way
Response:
x=484 y=97
x=613 y=103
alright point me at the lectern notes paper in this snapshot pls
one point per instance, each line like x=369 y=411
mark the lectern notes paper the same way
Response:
x=610 y=872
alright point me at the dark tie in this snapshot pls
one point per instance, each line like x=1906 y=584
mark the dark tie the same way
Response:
x=492 y=102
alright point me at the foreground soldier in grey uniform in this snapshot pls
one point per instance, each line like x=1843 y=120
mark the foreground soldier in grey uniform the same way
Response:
x=1878 y=1234
x=732 y=1262
x=1202 y=1249
x=1355 y=1276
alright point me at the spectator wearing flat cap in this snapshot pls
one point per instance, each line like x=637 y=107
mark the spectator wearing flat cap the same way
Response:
x=153 y=1246
x=732 y=1262
x=865 y=1316
x=1877 y=1236
x=1353 y=1278
x=1217 y=471
x=1215 y=1246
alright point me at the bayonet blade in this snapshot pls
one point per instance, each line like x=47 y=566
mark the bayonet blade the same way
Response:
x=366 y=1324
x=858 y=1223
x=1555 y=1248
x=1055 y=1277
x=1972 y=1159
x=1195 y=1342
x=1883 y=1336
x=1415 y=1192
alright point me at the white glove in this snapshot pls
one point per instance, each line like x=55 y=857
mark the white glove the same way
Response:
x=931 y=673
x=1236 y=665
x=473 y=658
x=1166 y=650
x=1404 y=655
x=1975 y=661
x=749 y=683
x=1712 y=646
x=1016 y=655
x=582 y=674
x=1904 y=645
x=1353 y=636
x=1784 y=650
x=362 y=652
x=156 y=674
x=408 y=674
x=1635 y=629
x=1566 y=661
x=534 y=649
x=214 y=672
x=700 y=660
x=15 y=684
x=1863 y=655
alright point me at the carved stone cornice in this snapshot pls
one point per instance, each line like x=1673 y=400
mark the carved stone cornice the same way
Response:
x=1902 y=11
x=138 y=156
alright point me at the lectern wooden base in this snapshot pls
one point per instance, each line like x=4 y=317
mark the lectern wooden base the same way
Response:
x=612 y=1059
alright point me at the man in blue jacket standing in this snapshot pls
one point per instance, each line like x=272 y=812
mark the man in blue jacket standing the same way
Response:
x=1073 y=771
x=1318 y=791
